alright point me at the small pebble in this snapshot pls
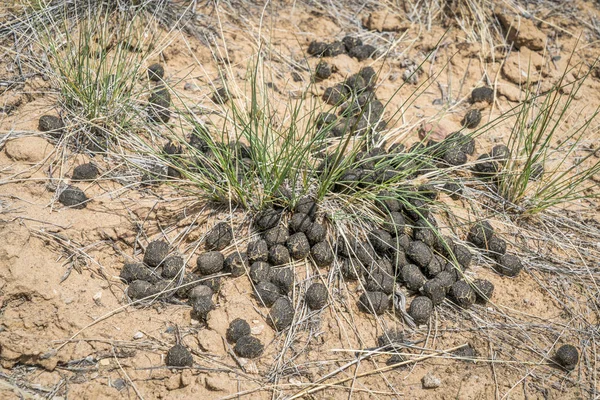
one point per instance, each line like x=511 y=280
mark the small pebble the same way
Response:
x=248 y=347
x=210 y=262
x=156 y=252
x=420 y=309
x=179 y=356
x=567 y=357
x=281 y=315
x=237 y=328
x=266 y=293
x=85 y=172
x=73 y=197
x=219 y=237
x=316 y=296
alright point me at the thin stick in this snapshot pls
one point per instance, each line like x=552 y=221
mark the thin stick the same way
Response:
x=382 y=369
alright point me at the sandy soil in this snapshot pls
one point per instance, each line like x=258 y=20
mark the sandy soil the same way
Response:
x=67 y=330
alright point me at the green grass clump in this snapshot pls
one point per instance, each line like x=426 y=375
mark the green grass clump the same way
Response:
x=540 y=172
x=96 y=58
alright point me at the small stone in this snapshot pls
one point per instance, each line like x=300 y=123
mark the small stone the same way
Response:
x=386 y=201
x=419 y=253
x=393 y=338
x=266 y=293
x=219 y=237
x=364 y=253
x=201 y=306
x=536 y=172
x=73 y=197
x=446 y=279
x=139 y=289
x=199 y=291
x=158 y=107
x=463 y=293
x=258 y=250
x=248 y=347
x=381 y=241
x=394 y=223
x=369 y=75
x=236 y=264
x=362 y=52
x=355 y=84
x=436 y=290
x=300 y=222
x=399 y=260
x=172 y=266
x=213 y=282
x=156 y=72
x=210 y=262
x=322 y=70
x=335 y=95
x=190 y=280
x=220 y=96
x=351 y=41
x=417 y=208
x=374 y=302
x=283 y=278
x=423 y=231
x=322 y=254
x=484 y=290
x=420 y=309
x=334 y=49
x=277 y=235
x=480 y=94
x=431 y=381
x=500 y=153
x=179 y=356
x=454 y=157
x=316 y=49
x=237 y=328
x=51 y=124
x=137 y=271
x=316 y=233
x=379 y=281
x=466 y=351
x=496 y=246
x=324 y=119
x=279 y=255
x=567 y=357
x=164 y=288
x=350 y=269
x=485 y=167
x=462 y=255
x=481 y=234
x=316 y=296
x=463 y=142
x=260 y=271
x=85 y=172
x=298 y=246
x=156 y=253
x=508 y=265
x=267 y=219
x=472 y=119
x=453 y=189
x=413 y=277
x=281 y=315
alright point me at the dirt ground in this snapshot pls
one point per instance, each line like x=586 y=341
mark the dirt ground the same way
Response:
x=67 y=329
